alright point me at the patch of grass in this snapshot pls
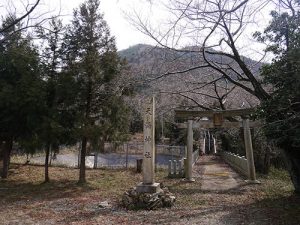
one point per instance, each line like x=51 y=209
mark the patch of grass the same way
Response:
x=277 y=183
x=114 y=182
x=279 y=174
x=26 y=182
x=188 y=195
x=24 y=196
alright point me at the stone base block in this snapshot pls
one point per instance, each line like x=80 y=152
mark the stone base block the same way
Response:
x=252 y=181
x=131 y=199
x=148 y=188
x=191 y=180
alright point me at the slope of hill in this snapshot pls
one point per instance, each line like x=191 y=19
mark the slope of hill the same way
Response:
x=159 y=71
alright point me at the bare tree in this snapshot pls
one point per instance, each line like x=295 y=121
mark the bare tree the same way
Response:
x=22 y=16
x=218 y=28
x=19 y=19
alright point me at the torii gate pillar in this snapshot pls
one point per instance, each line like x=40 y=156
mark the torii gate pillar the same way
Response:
x=249 y=151
x=189 y=172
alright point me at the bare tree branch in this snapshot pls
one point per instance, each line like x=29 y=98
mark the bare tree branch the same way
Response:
x=16 y=21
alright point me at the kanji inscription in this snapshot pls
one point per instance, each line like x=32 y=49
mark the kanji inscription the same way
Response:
x=149 y=145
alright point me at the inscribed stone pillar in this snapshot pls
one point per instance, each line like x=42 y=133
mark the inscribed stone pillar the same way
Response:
x=149 y=142
x=249 y=150
x=148 y=185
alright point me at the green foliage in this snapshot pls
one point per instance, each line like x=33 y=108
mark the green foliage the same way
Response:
x=21 y=90
x=136 y=121
x=282 y=109
x=68 y=90
x=58 y=121
x=169 y=130
x=232 y=141
x=277 y=183
x=90 y=57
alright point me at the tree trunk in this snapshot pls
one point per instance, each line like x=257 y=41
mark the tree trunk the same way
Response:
x=102 y=145
x=82 y=161
x=6 y=157
x=293 y=166
x=47 y=163
x=267 y=161
x=1 y=155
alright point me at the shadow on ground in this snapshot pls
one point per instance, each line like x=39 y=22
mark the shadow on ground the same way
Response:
x=275 y=211
x=12 y=190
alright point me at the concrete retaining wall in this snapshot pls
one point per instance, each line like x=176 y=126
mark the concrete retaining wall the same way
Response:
x=237 y=162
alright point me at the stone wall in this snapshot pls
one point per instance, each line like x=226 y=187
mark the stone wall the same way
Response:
x=237 y=162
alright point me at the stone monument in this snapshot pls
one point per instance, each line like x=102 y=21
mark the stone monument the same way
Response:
x=148 y=185
x=148 y=194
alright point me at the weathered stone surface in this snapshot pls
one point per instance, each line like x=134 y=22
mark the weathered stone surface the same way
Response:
x=132 y=199
x=149 y=141
x=189 y=172
x=104 y=205
x=148 y=188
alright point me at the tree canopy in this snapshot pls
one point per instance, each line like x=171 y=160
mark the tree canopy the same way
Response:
x=282 y=109
x=91 y=58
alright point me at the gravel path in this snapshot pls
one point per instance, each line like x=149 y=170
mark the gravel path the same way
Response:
x=215 y=174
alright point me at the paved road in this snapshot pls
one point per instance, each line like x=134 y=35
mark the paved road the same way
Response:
x=104 y=160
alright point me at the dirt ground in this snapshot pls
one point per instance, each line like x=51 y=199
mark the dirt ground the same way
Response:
x=218 y=196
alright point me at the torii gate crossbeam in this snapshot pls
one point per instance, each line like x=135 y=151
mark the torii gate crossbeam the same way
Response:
x=217 y=118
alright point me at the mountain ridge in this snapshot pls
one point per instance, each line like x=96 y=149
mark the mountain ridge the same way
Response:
x=156 y=67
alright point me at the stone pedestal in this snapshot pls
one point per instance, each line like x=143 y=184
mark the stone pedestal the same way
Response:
x=148 y=188
x=132 y=199
x=252 y=182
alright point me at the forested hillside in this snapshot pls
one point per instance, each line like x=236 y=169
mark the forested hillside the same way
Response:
x=165 y=73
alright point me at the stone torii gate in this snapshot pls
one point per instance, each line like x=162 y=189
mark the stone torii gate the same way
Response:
x=216 y=119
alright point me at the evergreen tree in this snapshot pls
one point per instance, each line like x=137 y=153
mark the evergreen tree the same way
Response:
x=21 y=93
x=282 y=110
x=58 y=120
x=91 y=57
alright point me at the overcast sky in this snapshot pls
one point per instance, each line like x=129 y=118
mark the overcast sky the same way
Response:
x=113 y=10
x=114 y=13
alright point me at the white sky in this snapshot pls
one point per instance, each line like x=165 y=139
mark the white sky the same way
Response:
x=113 y=10
x=126 y=34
